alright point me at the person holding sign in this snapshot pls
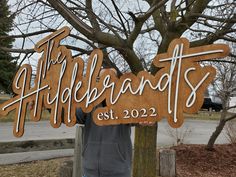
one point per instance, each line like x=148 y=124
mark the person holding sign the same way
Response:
x=61 y=86
x=107 y=150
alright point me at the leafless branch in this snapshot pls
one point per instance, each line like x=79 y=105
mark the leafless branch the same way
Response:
x=26 y=51
x=231 y=117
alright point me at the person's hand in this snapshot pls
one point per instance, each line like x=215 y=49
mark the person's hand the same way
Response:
x=31 y=105
x=147 y=123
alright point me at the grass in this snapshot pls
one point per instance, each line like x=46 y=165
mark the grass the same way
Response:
x=204 y=115
x=44 y=168
x=11 y=116
x=4 y=96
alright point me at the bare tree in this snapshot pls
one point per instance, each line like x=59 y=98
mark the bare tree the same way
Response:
x=118 y=27
x=224 y=87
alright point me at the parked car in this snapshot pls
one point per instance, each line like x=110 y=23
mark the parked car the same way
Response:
x=207 y=104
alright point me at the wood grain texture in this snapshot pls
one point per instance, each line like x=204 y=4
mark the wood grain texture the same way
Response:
x=62 y=86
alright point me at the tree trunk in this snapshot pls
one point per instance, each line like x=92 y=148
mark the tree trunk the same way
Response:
x=217 y=132
x=145 y=161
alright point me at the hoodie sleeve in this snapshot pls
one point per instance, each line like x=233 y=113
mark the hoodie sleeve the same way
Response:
x=80 y=116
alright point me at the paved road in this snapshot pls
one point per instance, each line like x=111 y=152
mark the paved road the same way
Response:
x=196 y=132
x=193 y=131
x=36 y=131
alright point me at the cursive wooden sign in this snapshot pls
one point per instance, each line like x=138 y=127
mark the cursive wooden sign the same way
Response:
x=177 y=88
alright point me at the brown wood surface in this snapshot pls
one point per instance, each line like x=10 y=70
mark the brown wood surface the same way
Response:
x=61 y=86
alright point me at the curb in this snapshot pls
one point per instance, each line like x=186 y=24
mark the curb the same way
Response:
x=36 y=145
x=27 y=157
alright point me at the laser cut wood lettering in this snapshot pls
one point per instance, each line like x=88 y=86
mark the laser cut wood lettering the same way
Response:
x=177 y=88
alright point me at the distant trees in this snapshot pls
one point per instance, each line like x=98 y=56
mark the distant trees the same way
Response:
x=7 y=65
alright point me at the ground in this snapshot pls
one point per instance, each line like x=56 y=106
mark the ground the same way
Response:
x=196 y=161
x=192 y=161
x=43 y=168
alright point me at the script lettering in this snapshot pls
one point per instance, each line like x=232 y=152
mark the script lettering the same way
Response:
x=61 y=86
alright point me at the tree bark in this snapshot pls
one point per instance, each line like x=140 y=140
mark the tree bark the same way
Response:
x=216 y=133
x=145 y=161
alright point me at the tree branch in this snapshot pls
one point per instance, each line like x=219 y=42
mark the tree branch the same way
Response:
x=231 y=107
x=26 y=51
x=119 y=16
x=197 y=7
x=141 y=19
x=77 y=23
x=28 y=34
x=160 y=22
x=213 y=18
x=221 y=61
x=92 y=16
x=218 y=34
x=154 y=7
x=230 y=118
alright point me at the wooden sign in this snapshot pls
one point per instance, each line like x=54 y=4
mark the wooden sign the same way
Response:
x=177 y=88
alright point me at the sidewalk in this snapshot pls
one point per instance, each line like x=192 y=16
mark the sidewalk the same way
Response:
x=21 y=157
x=41 y=130
x=200 y=132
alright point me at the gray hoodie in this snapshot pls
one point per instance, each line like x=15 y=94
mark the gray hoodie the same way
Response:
x=107 y=150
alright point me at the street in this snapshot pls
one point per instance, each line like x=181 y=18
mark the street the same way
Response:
x=196 y=132
x=193 y=131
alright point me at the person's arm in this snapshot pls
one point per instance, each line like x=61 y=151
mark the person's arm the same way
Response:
x=80 y=116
